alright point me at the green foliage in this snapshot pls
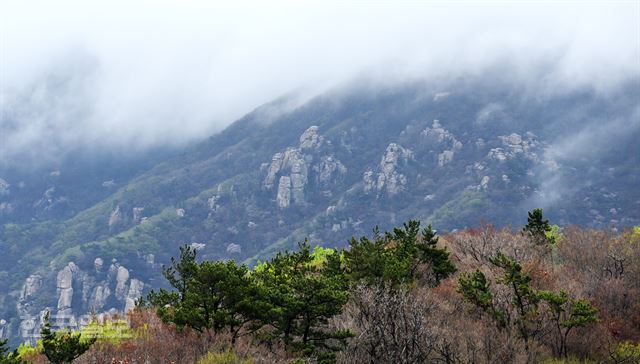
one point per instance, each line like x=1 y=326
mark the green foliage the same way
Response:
x=566 y=313
x=303 y=297
x=438 y=259
x=63 y=347
x=112 y=332
x=210 y=295
x=626 y=352
x=475 y=289
x=227 y=357
x=25 y=349
x=554 y=235
x=394 y=258
x=7 y=356
x=293 y=295
x=538 y=228
x=525 y=299
x=635 y=235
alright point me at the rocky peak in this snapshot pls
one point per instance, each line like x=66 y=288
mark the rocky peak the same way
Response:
x=291 y=168
x=283 y=198
x=311 y=139
x=387 y=178
x=444 y=139
x=31 y=285
x=328 y=168
x=514 y=145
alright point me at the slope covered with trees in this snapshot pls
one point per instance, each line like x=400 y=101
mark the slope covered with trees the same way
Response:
x=451 y=154
x=481 y=295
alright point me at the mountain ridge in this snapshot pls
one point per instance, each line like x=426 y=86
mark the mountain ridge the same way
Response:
x=336 y=166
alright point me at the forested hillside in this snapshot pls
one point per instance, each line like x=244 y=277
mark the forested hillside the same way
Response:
x=481 y=295
x=453 y=155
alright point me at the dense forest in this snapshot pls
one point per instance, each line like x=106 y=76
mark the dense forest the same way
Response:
x=535 y=294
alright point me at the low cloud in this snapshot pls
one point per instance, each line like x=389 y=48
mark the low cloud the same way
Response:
x=147 y=73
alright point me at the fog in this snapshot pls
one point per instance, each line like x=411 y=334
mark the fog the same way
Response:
x=133 y=75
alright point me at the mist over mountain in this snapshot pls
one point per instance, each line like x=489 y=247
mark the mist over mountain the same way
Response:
x=454 y=154
x=241 y=133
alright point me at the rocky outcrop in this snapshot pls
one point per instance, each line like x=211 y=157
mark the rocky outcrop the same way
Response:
x=299 y=175
x=289 y=171
x=99 y=297
x=4 y=329
x=115 y=216
x=6 y=208
x=233 y=248
x=388 y=179
x=78 y=293
x=135 y=292
x=49 y=199
x=484 y=183
x=516 y=146
x=64 y=285
x=31 y=285
x=122 y=276
x=4 y=187
x=310 y=139
x=98 y=263
x=137 y=214
x=283 y=198
x=445 y=141
x=329 y=169
x=212 y=203
x=274 y=168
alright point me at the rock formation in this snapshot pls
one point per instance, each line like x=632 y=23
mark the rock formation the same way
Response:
x=444 y=140
x=291 y=169
x=4 y=187
x=388 y=179
x=115 y=216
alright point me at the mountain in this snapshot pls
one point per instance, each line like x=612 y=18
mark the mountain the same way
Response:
x=452 y=154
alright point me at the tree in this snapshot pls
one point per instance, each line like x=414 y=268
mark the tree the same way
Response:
x=63 y=347
x=210 y=295
x=181 y=272
x=7 y=356
x=395 y=258
x=566 y=314
x=366 y=260
x=524 y=298
x=538 y=228
x=392 y=326
x=437 y=258
x=475 y=289
x=304 y=296
x=523 y=311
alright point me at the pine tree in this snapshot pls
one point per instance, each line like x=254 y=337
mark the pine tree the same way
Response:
x=475 y=289
x=525 y=299
x=304 y=297
x=437 y=258
x=63 y=347
x=7 y=356
x=566 y=313
x=210 y=295
x=538 y=228
x=395 y=257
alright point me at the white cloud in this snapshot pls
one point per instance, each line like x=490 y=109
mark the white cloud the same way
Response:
x=153 y=72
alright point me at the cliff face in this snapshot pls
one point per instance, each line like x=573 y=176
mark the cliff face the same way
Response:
x=80 y=296
x=330 y=169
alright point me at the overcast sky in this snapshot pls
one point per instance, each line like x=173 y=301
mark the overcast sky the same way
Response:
x=141 y=73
